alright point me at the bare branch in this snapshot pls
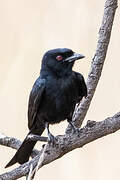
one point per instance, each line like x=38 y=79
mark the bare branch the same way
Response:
x=66 y=143
x=9 y=141
x=30 y=174
x=39 y=165
x=34 y=137
x=98 y=60
x=14 y=143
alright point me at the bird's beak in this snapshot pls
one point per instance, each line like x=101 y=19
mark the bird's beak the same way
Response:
x=74 y=57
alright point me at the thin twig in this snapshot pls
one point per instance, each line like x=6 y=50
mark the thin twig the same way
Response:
x=33 y=137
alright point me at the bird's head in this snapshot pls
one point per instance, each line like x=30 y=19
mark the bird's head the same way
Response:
x=60 y=60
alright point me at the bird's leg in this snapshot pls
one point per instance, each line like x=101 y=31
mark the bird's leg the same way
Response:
x=75 y=129
x=51 y=138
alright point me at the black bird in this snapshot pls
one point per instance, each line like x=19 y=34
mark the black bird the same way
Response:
x=52 y=98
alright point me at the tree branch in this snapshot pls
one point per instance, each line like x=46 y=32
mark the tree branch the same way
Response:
x=98 y=60
x=66 y=143
x=14 y=143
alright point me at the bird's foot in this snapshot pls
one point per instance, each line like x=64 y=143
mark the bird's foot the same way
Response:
x=74 y=128
x=51 y=139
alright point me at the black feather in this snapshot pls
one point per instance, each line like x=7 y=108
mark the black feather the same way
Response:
x=53 y=96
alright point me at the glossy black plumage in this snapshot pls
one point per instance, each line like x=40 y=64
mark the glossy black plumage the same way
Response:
x=53 y=96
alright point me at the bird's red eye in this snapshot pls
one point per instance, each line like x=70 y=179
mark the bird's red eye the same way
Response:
x=59 y=58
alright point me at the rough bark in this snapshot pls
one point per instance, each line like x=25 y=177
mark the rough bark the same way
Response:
x=66 y=143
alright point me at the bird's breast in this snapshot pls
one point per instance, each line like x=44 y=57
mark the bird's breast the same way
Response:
x=59 y=99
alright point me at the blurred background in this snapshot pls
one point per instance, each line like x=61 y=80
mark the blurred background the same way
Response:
x=27 y=30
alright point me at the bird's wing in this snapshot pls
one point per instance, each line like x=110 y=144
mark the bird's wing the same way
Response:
x=35 y=98
x=82 y=85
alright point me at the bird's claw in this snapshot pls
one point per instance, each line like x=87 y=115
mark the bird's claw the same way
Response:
x=74 y=128
x=51 y=139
